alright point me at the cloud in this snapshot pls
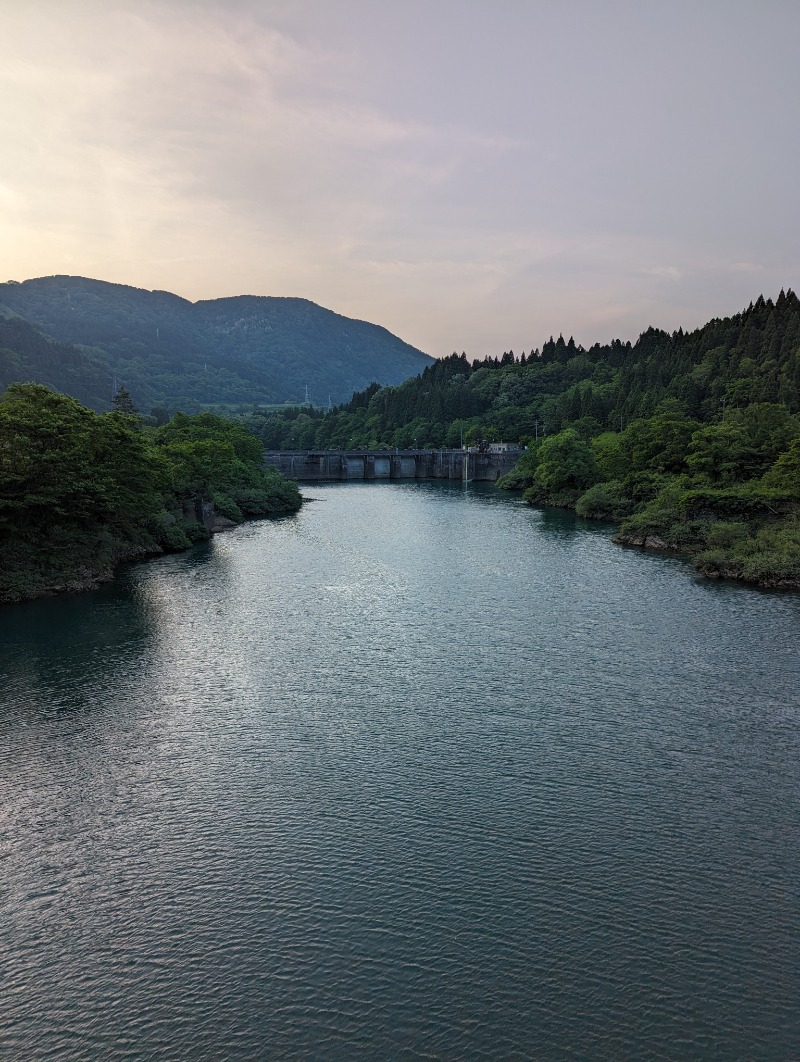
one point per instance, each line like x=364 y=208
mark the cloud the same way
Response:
x=442 y=175
x=663 y=272
x=164 y=135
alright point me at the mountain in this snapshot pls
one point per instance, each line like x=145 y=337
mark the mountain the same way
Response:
x=80 y=336
x=730 y=363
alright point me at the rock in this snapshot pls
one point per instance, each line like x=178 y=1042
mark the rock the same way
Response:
x=655 y=542
x=628 y=540
x=221 y=523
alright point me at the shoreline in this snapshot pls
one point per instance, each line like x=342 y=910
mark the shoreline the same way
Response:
x=84 y=578
x=657 y=544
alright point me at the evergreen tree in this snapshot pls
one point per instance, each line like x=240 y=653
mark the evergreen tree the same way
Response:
x=123 y=402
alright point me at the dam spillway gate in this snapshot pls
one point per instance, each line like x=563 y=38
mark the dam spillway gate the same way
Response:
x=464 y=465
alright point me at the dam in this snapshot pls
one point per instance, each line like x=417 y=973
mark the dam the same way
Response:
x=323 y=465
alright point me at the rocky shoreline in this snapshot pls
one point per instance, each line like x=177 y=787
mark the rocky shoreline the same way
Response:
x=85 y=577
x=655 y=542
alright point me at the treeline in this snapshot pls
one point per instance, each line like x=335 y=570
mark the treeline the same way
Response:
x=751 y=357
x=80 y=491
x=689 y=438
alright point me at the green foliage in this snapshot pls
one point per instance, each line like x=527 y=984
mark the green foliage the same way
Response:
x=785 y=473
x=227 y=507
x=605 y=501
x=768 y=555
x=565 y=462
x=210 y=457
x=667 y=510
x=721 y=452
x=521 y=476
x=726 y=534
x=752 y=499
x=660 y=442
x=60 y=460
x=122 y=401
x=80 y=491
x=609 y=454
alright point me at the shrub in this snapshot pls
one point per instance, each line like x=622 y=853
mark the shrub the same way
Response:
x=605 y=501
x=726 y=534
x=226 y=506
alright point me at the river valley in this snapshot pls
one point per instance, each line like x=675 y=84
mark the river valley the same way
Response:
x=418 y=772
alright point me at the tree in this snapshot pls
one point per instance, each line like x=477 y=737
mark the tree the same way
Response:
x=123 y=402
x=47 y=472
x=660 y=442
x=566 y=462
x=610 y=456
x=785 y=473
x=159 y=416
x=722 y=453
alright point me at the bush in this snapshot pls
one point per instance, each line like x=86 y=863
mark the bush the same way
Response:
x=566 y=462
x=227 y=507
x=726 y=534
x=659 y=516
x=521 y=475
x=770 y=556
x=605 y=501
x=169 y=533
x=685 y=534
x=713 y=562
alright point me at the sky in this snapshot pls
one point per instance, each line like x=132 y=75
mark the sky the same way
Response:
x=474 y=175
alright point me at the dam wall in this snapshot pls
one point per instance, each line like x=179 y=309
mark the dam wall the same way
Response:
x=319 y=465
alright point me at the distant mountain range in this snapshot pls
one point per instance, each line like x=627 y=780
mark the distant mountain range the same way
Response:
x=85 y=337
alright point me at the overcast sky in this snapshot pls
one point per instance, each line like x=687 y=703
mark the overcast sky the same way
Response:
x=473 y=174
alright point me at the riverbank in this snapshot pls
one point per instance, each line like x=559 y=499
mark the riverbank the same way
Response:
x=48 y=580
x=749 y=533
x=82 y=493
x=719 y=565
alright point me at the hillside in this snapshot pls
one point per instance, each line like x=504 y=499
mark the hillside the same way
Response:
x=691 y=439
x=172 y=353
x=727 y=364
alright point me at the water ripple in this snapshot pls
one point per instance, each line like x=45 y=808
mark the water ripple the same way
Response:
x=419 y=773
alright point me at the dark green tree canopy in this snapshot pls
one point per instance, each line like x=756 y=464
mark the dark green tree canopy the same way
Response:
x=122 y=401
x=80 y=491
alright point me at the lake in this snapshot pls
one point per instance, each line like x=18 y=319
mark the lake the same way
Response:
x=419 y=772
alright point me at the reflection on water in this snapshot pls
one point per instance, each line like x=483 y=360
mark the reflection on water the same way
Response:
x=420 y=771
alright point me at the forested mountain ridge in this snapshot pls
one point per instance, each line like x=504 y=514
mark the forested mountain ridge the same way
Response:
x=691 y=439
x=729 y=363
x=172 y=353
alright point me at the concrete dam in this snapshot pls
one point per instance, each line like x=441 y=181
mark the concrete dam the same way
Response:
x=465 y=465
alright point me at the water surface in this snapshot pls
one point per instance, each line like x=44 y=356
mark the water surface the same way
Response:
x=417 y=773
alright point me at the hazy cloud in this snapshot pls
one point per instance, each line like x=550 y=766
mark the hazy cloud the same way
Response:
x=472 y=175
